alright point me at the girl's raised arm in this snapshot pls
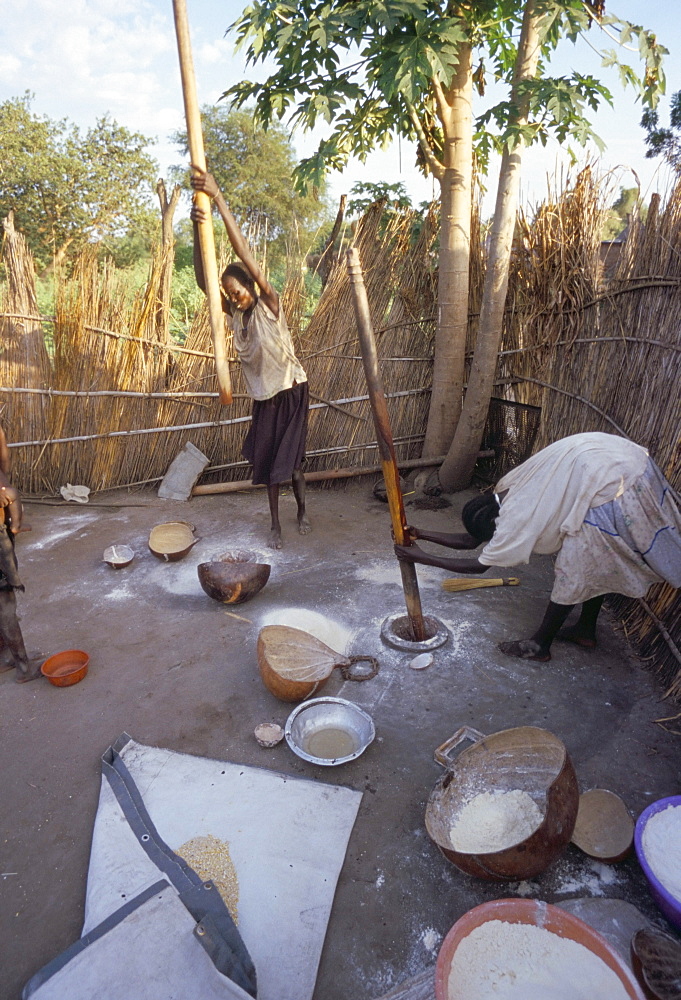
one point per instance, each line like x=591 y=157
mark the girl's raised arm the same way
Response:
x=202 y=181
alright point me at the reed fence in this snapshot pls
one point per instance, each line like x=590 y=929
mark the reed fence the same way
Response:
x=95 y=394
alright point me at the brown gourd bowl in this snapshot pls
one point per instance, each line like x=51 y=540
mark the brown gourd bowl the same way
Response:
x=66 y=668
x=172 y=540
x=233 y=577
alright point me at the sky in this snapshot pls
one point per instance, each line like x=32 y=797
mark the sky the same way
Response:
x=86 y=58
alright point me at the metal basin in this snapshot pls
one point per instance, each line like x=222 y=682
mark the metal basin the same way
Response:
x=329 y=731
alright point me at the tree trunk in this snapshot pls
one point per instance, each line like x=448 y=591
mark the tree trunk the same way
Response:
x=162 y=311
x=455 y=112
x=457 y=469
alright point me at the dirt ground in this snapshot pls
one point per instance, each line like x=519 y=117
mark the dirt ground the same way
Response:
x=175 y=669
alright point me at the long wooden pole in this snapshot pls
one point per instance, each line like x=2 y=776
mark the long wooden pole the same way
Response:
x=206 y=237
x=318 y=476
x=384 y=440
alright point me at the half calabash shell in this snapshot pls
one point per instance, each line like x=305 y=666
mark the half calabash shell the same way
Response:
x=172 y=540
x=294 y=664
x=604 y=827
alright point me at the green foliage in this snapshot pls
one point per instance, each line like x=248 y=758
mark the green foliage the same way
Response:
x=253 y=167
x=662 y=141
x=365 y=194
x=67 y=187
x=368 y=69
x=186 y=301
x=628 y=203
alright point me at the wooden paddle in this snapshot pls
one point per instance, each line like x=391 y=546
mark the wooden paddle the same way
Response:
x=454 y=584
x=206 y=237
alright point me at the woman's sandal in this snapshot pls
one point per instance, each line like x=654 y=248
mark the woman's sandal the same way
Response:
x=526 y=649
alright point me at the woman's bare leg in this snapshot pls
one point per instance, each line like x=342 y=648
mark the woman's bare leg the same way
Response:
x=298 y=483
x=538 y=647
x=275 y=531
x=583 y=632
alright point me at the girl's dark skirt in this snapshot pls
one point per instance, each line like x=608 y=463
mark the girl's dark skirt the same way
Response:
x=275 y=443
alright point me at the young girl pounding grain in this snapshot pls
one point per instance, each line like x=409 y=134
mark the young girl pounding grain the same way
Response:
x=275 y=443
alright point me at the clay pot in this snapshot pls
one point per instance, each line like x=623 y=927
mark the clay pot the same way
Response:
x=172 y=540
x=538 y=914
x=234 y=577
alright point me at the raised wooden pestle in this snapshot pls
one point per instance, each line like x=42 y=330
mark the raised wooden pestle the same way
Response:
x=206 y=237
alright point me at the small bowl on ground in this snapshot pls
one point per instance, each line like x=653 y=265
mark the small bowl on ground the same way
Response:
x=538 y=914
x=668 y=904
x=118 y=556
x=233 y=577
x=66 y=668
x=268 y=734
x=172 y=540
x=329 y=731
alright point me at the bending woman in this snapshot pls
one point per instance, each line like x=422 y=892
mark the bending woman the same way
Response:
x=275 y=380
x=599 y=504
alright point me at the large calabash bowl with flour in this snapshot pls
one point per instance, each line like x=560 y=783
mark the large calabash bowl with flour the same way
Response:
x=528 y=759
x=538 y=914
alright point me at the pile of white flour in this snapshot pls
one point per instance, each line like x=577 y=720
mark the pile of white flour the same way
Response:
x=662 y=848
x=493 y=821
x=502 y=961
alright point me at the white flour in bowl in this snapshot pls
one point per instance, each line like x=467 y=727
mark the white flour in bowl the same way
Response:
x=493 y=821
x=503 y=961
x=662 y=848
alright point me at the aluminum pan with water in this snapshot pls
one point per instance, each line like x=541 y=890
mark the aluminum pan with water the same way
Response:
x=325 y=713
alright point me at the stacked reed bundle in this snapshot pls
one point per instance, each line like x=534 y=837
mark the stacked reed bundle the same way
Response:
x=24 y=359
x=94 y=300
x=400 y=287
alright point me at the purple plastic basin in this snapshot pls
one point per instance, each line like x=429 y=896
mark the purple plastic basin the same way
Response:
x=670 y=906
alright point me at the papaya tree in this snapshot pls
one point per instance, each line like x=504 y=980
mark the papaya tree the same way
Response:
x=372 y=70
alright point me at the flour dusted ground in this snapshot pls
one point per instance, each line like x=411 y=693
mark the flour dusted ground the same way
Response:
x=503 y=961
x=493 y=821
x=662 y=848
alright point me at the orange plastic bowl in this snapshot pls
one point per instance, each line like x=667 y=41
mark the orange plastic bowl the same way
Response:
x=531 y=911
x=64 y=669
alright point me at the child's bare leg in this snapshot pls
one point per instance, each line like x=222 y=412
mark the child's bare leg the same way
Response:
x=298 y=483
x=13 y=640
x=275 y=531
x=583 y=632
